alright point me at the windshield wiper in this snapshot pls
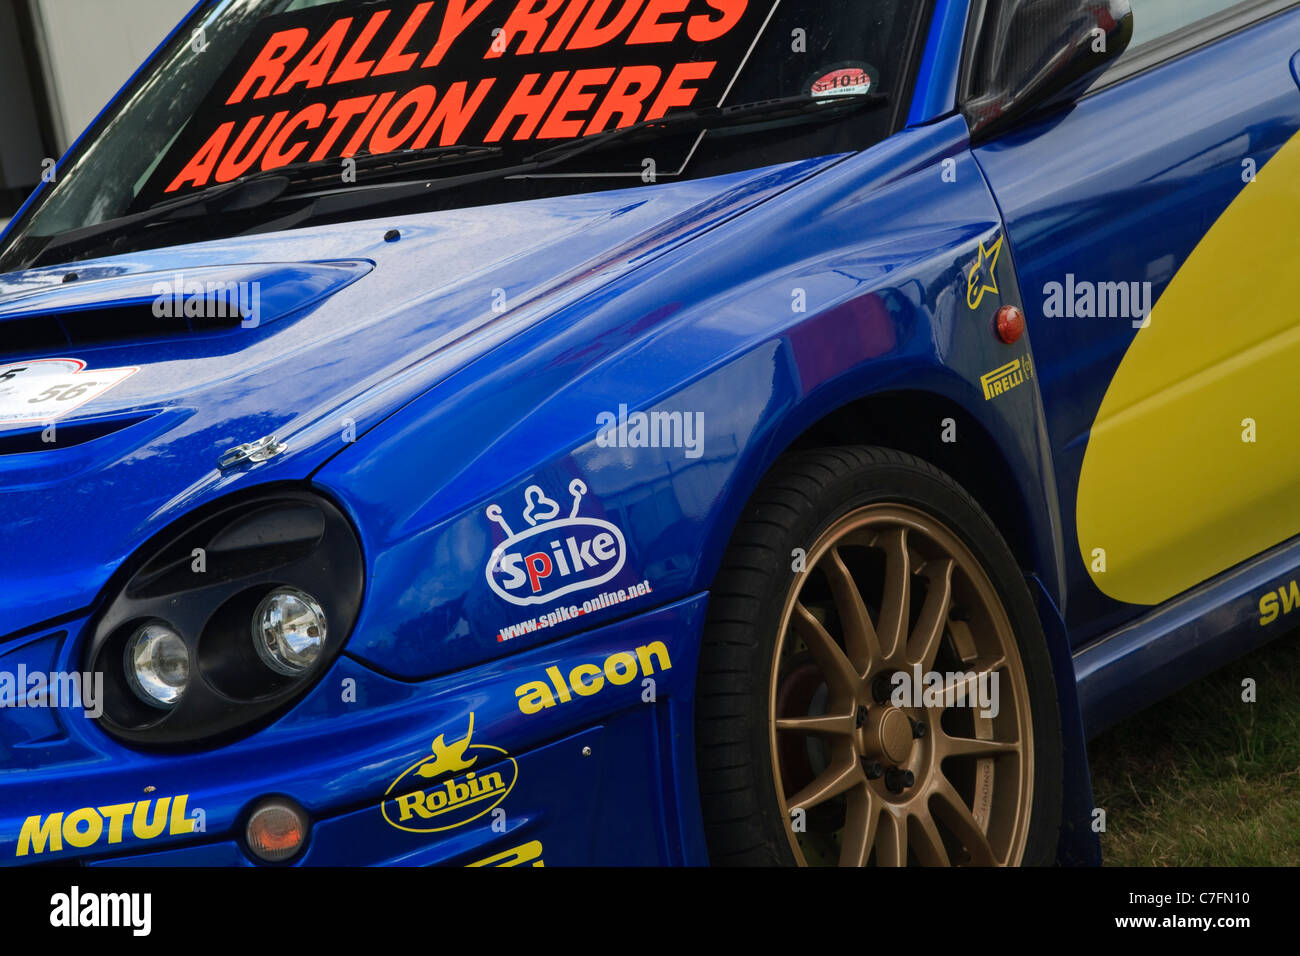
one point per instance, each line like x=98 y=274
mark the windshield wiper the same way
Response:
x=715 y=118
x=328 y=172
x=259 y=189
x=798 y=109
x=300 y=179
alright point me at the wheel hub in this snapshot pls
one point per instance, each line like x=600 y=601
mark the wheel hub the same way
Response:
x=886 y=736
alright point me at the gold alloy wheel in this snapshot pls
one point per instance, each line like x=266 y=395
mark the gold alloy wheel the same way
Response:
x=937 y=780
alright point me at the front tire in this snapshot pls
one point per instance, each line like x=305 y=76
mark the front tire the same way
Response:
x=874 y=686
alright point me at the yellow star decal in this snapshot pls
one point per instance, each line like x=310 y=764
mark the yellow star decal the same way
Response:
x=983 y=275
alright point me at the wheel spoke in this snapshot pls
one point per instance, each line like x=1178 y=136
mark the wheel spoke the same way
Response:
x=897 y=600
x=923 y=646
x=830 y=783
x=947 y=746
x=824 y=724
x=965 y=686
x=860 y=825
x=952 y=810
x=929 y=848
x=891 y=840
x=835 y=666
x=860 y=641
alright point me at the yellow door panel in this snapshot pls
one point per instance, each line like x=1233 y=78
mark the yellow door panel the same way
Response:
x=1171 y=492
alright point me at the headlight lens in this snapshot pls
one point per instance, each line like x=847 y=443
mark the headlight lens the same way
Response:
x=157 y=665
x=289 y=631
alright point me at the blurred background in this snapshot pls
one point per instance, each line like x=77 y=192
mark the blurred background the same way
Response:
x=60 y=62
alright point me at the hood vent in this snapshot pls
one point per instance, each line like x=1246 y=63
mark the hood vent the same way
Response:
x=144 y=306
x=133 y=323
x=28 y=440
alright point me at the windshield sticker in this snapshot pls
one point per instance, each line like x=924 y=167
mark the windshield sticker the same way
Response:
x=343 y=80
x=844 y=79
x=39 y=391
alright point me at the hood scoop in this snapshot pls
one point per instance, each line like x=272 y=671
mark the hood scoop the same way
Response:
x=146 y=306
x=132 y=323
x=25 y=441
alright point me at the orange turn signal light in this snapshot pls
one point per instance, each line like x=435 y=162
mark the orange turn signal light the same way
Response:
x=1011 y=324
x=277 y=830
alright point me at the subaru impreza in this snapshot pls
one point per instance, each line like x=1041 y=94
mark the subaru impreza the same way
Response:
x=522 y=432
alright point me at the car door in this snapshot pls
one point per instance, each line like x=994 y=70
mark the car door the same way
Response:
x=1153 y=228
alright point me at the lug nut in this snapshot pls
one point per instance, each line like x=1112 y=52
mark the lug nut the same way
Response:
x=861 y=717
x=872 y=769
x=918 y=730
x=898 y=780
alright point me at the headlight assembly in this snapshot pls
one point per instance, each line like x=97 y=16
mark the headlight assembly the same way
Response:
x=224 y=620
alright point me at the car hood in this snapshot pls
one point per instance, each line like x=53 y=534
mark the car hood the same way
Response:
x=324 y=332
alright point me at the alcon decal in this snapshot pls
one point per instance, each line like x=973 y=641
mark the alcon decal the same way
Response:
x=555 y=556
x=87 y=826
x=471 y=780
x=588 y=679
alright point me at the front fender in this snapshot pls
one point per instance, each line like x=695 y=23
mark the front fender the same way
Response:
x=853 y=283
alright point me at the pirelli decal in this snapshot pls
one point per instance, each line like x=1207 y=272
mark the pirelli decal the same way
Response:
x=1002 y=380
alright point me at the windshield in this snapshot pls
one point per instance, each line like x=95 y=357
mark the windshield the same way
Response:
x=249 y=87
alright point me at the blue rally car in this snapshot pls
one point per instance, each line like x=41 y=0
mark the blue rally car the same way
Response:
x=522 y=432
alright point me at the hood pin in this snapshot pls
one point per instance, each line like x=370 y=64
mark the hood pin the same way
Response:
x=264 y=449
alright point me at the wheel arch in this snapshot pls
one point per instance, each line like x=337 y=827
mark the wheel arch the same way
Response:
x=912 y=420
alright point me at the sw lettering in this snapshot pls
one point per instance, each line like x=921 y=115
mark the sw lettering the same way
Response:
x=1287 y=596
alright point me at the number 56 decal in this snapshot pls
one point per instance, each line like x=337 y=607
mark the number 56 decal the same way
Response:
x=42 y=390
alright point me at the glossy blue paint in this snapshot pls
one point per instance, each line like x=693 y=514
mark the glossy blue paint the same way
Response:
x=936 y=81
x=884 y=312
x=373 y=345
x=446 y=390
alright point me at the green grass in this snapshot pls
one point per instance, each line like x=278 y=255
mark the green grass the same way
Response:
x=1205 y=779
